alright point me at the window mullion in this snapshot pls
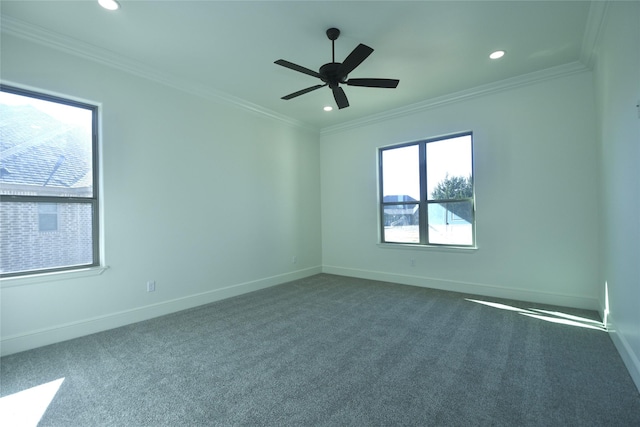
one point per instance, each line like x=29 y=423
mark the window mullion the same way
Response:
x=423 y=206
x=46 y=199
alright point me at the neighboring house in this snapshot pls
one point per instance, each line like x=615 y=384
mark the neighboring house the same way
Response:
x=448 y=222
x=42 y=156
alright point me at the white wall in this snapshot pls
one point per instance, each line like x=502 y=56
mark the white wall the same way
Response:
x=252 y=188
x=535 y=155
x=617 y=80
x=207 y=199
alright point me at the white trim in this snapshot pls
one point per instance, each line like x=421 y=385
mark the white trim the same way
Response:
x=593 y=32
x=30 y=279
x=69 y=45
x=58 y=333
x=419 y=247
x=494 y=291
x=487 y=89
x=629 y=358
x=93 y=53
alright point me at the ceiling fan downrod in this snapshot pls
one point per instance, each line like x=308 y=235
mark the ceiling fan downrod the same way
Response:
x=333 y=34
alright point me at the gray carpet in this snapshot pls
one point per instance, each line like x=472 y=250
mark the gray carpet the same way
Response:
x=336 y=351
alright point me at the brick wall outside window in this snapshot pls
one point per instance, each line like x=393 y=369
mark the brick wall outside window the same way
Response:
x=25 y=247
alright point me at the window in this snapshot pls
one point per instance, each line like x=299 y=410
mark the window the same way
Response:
x=48 y=183
x=426 y=192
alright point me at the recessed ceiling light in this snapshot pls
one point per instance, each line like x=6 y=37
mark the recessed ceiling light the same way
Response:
x=328 y=108
x=497 y=54
x=109 y=4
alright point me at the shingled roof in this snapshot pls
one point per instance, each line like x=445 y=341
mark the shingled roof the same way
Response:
x=42 y=155
x=398 y=198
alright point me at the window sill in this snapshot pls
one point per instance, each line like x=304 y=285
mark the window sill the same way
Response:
x=9 y=282
x=459 y=249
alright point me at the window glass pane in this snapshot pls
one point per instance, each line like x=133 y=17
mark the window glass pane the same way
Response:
x=48 y=216
x=46 y=148
x=451 y=223
x=401 y=174
x=449 y=168
x=401 y=223
x=24 y=247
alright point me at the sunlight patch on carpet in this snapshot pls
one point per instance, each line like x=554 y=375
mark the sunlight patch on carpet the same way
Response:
x=582 y=323
x=27 y=407
x=547 y=316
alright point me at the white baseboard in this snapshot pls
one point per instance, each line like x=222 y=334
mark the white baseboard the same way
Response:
x=64 y=332
x=627 y=354
x=470 y=288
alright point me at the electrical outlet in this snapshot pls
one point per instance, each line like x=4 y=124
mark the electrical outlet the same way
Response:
x=151 y=286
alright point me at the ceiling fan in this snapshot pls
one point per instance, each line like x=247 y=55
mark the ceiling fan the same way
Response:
x=335 y=73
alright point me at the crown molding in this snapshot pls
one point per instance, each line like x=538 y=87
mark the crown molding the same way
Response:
x=593 y=31
x=483 y=90
x=38 y=35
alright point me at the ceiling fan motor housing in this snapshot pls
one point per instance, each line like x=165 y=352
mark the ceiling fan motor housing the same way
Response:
x=329 y=73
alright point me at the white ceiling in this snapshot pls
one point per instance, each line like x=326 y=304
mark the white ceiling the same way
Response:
x=227 y=48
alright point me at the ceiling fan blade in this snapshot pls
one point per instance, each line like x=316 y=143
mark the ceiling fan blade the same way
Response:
x=386 y=83
x=340 y=97
x=302 y=92
x=355 y=58
x=298 y=68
